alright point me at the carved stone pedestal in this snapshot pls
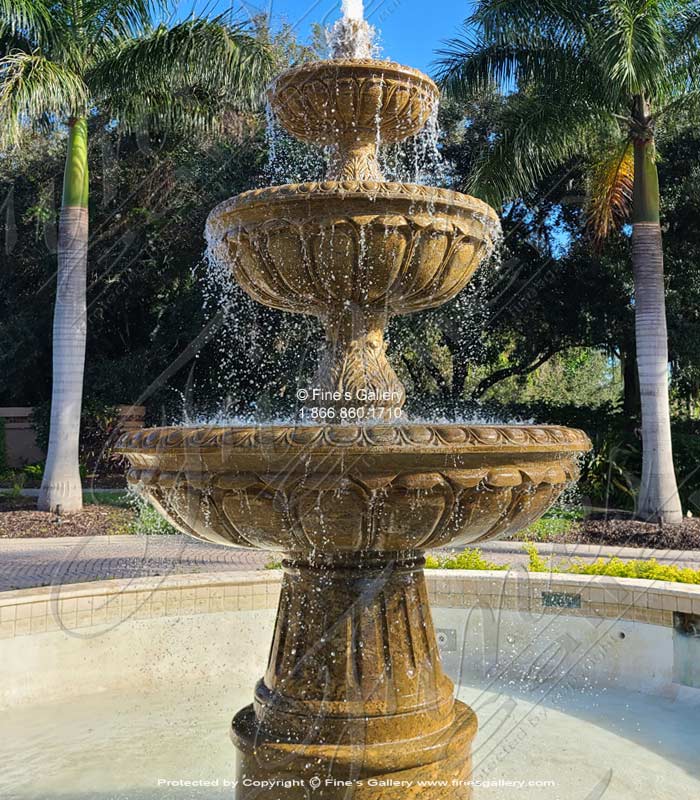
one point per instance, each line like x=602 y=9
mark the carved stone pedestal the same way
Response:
x=354 y=375
x=354 y=703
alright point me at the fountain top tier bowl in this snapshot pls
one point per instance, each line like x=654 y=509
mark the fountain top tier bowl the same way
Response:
x=351 y=106
x=353 y=250
x=329 y=489
x=345 y=101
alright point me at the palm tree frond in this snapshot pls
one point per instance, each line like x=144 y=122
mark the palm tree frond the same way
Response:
x=610 y=187
x=32 y=89
x=516 y=55
x=189 y=111
x=24 y=16
x=10 y=41
x=683 y=25
x=630 y=39
x=112 y=20
x=564 y=20
x=200 y=56
x=469 y=65
x=539 y=133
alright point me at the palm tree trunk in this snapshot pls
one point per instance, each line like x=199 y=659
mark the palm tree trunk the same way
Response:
x=658 y=497
x=630 y=382
x=61 y=488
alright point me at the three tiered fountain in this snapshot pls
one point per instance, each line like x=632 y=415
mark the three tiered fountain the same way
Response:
x=354 y=702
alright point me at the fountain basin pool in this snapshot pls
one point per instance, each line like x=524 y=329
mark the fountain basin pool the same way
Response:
x=584 y=687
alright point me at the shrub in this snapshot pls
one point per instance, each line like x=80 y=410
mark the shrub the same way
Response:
x=148 y=521
x=18 y=481
x=649 y=570
x=99 y=430
x=535 y=561
x=547 y=529
x=35 y=471
x=469 y=559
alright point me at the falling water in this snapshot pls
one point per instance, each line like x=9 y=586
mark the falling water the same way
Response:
x=290 y=160
x=256 y=352
x=418 y=159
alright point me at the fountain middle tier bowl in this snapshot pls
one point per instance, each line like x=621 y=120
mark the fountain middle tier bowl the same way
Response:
x=326 y=489
x=316 y=248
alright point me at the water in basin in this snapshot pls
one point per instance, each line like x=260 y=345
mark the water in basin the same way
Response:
x=146 y=744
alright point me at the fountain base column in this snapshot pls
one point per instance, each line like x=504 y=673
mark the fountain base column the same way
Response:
x=354 y=703
x=266 y=768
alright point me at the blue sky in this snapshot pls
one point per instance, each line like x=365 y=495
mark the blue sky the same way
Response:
x=410 y=30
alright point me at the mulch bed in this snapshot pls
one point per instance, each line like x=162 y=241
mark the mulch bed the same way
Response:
x=626 y=532
x=20 y=519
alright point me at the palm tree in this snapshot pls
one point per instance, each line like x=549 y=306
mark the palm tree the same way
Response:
x=64 y=63
x=588 y=81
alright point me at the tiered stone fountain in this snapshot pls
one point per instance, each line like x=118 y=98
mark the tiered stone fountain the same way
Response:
x=354 y=690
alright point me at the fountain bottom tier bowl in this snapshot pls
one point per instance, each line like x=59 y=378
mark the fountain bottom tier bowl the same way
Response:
x=354 y=687
x=316 y=491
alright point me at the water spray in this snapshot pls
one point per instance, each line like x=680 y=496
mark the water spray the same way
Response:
x=352 y=36
x=353 y=9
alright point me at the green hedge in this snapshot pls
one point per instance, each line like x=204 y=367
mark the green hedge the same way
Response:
x=649 y=570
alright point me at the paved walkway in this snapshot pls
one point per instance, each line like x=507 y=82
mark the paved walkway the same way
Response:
x=25 y=563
